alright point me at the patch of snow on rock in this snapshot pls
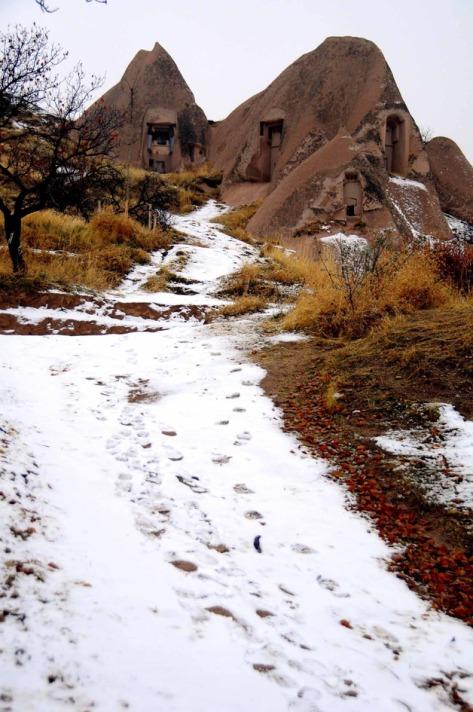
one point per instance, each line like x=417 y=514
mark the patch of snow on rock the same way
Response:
x=407 y=183
x=451 y=459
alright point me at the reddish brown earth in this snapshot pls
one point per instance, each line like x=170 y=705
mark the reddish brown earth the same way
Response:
x=11 y=324
x=436 y=555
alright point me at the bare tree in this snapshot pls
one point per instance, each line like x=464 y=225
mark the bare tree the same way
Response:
x=46 y=8
x=425 y=134
x=27 y=70
x=56 y=155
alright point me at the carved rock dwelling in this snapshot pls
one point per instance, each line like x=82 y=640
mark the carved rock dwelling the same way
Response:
x=165 y=130
x=328 y=146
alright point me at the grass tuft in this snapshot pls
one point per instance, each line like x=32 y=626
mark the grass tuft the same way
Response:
x=235 y=222
x=243 y=305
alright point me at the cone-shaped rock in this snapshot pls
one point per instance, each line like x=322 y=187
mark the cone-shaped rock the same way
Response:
x=453 y=177
x=330 y=143
x=164 y=129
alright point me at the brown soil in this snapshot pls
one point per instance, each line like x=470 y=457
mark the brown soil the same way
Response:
x=10 y=324
x=380 y=391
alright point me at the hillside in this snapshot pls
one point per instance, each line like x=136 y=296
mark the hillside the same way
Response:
x=165 y=541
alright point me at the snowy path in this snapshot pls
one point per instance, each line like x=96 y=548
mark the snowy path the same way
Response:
x=153 y=461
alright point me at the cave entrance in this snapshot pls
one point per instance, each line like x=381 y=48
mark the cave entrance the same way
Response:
x=353 y=195
x=271 y=133
x=395 y=145
x=160 y=146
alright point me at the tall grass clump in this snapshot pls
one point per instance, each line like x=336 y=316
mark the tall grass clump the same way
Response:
x=354 y=288
x=69 y=251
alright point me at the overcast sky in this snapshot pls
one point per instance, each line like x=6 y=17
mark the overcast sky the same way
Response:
x=228 y=50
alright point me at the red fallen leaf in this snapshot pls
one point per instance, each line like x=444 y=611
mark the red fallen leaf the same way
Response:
x=346 y=623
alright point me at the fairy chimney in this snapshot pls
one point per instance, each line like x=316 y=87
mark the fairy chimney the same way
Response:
x=164 y=129
x=330 y=144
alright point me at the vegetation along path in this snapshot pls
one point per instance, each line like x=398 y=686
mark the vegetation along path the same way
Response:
x=167 y=546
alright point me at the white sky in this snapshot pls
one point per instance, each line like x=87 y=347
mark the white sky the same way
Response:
x=228 y=50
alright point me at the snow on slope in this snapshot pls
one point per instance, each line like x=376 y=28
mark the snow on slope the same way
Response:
x=148 y=464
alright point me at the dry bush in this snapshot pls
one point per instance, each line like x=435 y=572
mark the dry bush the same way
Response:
x=107 y=227
x=416 y=285
x=454 y=261
x=342 y=303
x=243 y=305
x=49 y=230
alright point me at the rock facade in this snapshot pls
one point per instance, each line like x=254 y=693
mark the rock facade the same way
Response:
x=164 y=129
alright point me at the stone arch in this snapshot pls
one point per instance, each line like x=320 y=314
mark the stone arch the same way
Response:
x=353 y=195
x=396 y=144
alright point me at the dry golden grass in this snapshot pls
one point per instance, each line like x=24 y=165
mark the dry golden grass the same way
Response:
x=68 y=251
x=430 y=350
x=331 y=397
x=62 y=270
x=288 y=268
x=194 y=187
x=235 y=222
x=245 y=281
x=158 y=282
x=243 y=305
x=335 y=306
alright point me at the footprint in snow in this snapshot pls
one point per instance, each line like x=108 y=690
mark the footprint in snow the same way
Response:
x=243 y=438
x=332 y=586
x=242 y=489
x=221 y=459
x=302 y=549
x=174 y=455
x=192 y=484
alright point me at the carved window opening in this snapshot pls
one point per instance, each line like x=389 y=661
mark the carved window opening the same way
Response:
x=353 y=195
x=395 y=145
x=160 y=137
x=271 y=133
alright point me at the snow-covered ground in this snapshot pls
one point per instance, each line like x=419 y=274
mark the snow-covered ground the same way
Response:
x=168 y=548
x=449 y=477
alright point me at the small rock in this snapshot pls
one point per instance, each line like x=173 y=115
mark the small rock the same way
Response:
x=261 y=667
x=221 y=548
x=221 y=611
x=184 y=565
x=253 y=515
x=264 y=614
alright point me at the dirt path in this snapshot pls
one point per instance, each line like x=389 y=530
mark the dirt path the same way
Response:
x=168 y=547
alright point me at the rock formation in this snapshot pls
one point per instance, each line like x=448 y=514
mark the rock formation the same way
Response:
x=164 y=129
x=330 y=144
x=453 y=178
